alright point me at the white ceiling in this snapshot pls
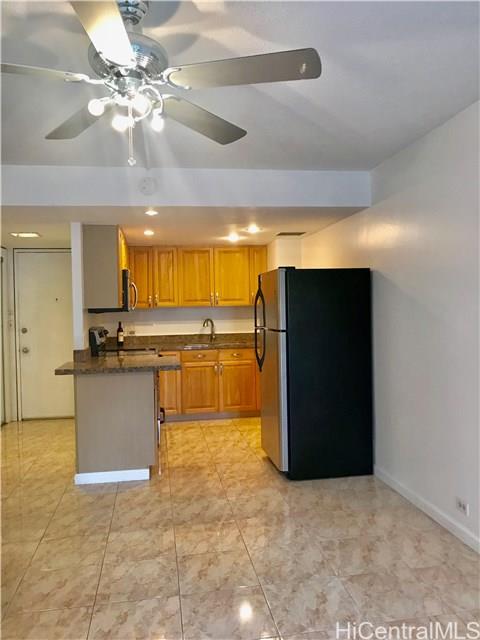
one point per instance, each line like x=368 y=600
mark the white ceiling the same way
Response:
x=173 y=226
x=392 y=71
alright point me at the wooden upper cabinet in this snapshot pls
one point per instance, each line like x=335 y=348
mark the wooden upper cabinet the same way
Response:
x=193 y=276
x=196 y=277
x=141 y=273
x=165 y=277
x=258 y=264
x=123 y=262
x=122 y=251
x=232 y=276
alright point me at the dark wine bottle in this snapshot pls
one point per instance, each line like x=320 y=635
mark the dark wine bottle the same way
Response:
x=120 y=335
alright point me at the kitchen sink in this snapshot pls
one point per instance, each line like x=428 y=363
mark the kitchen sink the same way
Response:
x=191 y=347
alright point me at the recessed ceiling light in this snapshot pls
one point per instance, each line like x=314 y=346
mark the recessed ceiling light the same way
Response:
x=151 y=212
x=253 y=228
x=25 y=234
x=233 y=237
x=148 y=232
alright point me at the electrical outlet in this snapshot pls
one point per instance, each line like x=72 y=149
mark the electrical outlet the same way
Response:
x=462 y=506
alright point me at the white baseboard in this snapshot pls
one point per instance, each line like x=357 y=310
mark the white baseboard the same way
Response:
x=112 y=476
x=431 y=510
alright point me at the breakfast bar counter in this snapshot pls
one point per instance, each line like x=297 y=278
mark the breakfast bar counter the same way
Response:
x=116 y=415
x=119 y=364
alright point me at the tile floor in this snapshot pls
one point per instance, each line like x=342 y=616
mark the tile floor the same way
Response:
x=220 y=546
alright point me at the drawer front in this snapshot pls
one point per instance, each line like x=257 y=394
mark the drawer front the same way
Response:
x=203 y=355
x=226 y=355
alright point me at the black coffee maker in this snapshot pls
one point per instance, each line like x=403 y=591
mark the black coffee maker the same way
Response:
x=97 y=338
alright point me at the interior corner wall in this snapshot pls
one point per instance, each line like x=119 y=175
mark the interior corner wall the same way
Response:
x=420 y=239
x=284 y=252
x=79 y=314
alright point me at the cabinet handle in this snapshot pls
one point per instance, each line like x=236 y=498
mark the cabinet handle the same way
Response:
x=211 y=299
x=215 y=368
x=156 y=299
x=200 y=355
x=221 y=369
x=216 y=297
x=149 y=301
x=253 y=297
x=236 y=355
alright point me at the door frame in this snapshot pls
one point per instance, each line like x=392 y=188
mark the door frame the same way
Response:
x=8 y=337
x=16 y=254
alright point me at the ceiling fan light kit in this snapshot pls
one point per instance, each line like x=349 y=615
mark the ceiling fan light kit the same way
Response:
x=133 y=68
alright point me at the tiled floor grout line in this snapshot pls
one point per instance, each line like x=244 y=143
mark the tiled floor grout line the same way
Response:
x=5 y=613
x=251 y=560
x=174 y=532
x=223 y=456
x=101 y=566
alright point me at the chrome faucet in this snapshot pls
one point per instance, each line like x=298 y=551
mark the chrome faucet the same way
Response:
x=209 y=321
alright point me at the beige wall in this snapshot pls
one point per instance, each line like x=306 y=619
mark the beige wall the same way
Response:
x=284 y=252
x=421 y=240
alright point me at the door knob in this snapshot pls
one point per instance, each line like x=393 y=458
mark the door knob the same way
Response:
x=25 y=350
x=24 y=330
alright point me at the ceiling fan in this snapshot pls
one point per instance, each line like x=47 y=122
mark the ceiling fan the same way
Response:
x=133 y=69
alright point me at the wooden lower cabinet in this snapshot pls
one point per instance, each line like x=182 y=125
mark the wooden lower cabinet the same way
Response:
x=237 y=390
x=170 y=388
x=211 y=381
x=200 y=387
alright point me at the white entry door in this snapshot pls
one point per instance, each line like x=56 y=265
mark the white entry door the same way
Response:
x=43 y=296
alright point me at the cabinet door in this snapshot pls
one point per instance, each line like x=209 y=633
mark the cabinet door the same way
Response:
x=200 y=387
x=170 y=388
x=122 y=262
x=196 y=277
x=141 y=273
x=258 y=264
x=232 y=276
x=238 y=390
x=165 y=280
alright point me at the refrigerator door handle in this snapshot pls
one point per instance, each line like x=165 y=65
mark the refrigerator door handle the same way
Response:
x=260 y=358
x=259 y=296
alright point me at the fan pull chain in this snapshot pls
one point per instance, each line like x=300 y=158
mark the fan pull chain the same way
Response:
x=131 y=160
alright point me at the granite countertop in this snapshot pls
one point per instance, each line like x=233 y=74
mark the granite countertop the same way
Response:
x=119 y=364
x=179 y=342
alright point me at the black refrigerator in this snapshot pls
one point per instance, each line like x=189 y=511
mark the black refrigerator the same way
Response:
x=313 y=347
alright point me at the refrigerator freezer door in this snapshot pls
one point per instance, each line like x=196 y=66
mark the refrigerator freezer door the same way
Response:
x=272 y=285
x=273 y=383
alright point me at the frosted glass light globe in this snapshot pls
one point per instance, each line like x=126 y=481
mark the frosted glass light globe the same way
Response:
x=157 y=123
x=96 y=107
x=141 y=104
x=121 y=123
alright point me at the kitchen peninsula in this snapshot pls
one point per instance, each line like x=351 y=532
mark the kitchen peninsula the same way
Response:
x=116 y=413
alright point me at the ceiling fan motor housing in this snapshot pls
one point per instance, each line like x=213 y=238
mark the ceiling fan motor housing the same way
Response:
x=150 y=57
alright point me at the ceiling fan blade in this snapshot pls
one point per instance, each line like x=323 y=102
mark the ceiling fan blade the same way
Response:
x=104 y=26
x=76 y=124
x=298 y=64
x=201 y=121
x=21 y=69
